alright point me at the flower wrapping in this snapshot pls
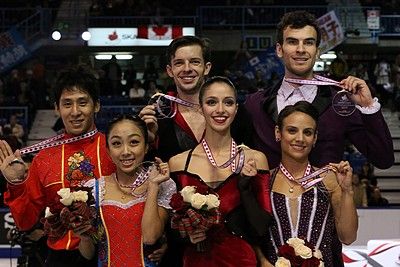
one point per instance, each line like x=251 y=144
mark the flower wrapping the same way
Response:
x=298 y=252
x=194 y=209
x=72 y=209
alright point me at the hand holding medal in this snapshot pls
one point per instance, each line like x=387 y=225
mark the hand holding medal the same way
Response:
x=341 y=102
x=166 y=105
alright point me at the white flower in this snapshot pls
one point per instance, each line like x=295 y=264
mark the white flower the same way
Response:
x=317 y=253
x=187 y=193
x=212 y=201
x=198 y=201
x=294 y=242
x=80 y=196
x=303 y=251
x=47 y=212
x=282 y=262
x=66 y=197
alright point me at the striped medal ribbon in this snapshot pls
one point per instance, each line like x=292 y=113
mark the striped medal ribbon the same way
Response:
x=141 y=178
x=308 y=180
x=341 y=102
x=157 y=98
x=318 y=80
x=55 y=141
x=232 y=161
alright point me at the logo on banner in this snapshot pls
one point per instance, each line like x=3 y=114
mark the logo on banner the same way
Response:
x=114 y=38
x=163 y=32
x=331 y=31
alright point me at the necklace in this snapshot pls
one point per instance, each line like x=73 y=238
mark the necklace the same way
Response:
x=140 y=179
x=289 y=176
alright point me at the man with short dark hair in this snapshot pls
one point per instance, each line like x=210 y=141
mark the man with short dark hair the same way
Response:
x=298 y=38
x=76 y=101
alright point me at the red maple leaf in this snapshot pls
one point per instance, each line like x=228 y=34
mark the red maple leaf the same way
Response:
x=160 y=31
x=113 y=36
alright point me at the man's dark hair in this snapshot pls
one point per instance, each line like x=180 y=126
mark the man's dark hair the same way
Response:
x=80 y=77
x=297 y=20
x=186 y=41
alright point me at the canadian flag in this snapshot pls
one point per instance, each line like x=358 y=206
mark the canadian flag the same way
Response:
x=163 y=32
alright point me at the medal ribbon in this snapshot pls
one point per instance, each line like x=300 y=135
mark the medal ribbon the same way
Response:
x=308 y=179
x=173 y=99
x=318 y=80
x=53 y=141
x=140 y=179
x=234 y=152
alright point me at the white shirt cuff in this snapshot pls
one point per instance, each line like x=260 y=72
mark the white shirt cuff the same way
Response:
x=375 y=107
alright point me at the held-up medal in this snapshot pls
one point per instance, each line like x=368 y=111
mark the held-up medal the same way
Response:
x=341 y=102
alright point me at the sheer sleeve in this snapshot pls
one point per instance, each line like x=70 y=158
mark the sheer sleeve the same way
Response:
x=260 y=187
x=254 y=194
x=167 y=189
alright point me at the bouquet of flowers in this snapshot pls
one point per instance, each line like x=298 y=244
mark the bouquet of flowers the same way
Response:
x=194 y=209
x=299 y=253
x=71 y=210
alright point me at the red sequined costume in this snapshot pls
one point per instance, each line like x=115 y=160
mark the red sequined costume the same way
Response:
x=224 y=249
x=47 y=174
x=123 y=244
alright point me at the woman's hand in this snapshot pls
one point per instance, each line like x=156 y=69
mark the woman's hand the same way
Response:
x=159 y=174
x=249 y=168
x=197 y=236
x=157 y=254
x=344 y=174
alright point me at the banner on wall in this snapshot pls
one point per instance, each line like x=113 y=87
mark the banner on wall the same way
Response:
x=266 y=62
x=142 y=36
x=13 y=49
x=331 y=31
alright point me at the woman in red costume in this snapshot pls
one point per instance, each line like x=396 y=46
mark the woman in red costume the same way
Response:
x=242 y=196
x=132 y=217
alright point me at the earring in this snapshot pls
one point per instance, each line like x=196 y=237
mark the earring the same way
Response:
x=277 y=139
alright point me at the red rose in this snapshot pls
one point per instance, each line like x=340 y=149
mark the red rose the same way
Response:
x=311 y=262
x=287 y=252
x=202 y=189
x=177 y=202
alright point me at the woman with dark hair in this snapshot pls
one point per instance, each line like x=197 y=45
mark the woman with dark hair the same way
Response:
x=131 y=216
x=238 y=182
x=319 y=210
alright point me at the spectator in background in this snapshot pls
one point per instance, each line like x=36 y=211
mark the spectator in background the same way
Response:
x=16 y=128
x=382 y=74
x=360 y=192
x=137 y=93
x=10 y=138
x=241 y=57
x=150 y=72
x=375 y=198
x=113 y=74
x=152 y=88
x=367 y=171
x=396 y=72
